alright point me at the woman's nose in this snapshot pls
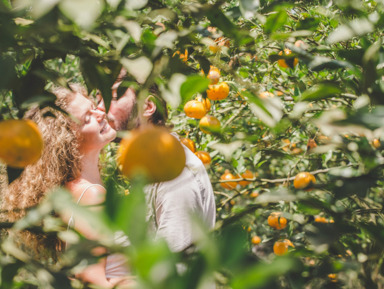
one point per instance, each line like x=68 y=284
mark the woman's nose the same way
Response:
x=100 y=114
x=101 y=105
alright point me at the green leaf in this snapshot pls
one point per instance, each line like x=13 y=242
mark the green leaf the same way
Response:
x=39 y=100
x=268 y=110
x=53 y=76
x=192 y=85
x=30 y=84
x=218 y=19
x=321 y=91
x=319 y=63
x=171 y=93
x=204 y=63
x=38 y=8
x=135 y=4
x=130 y=216
x=7 y=72
x=370 y=118
x=275 y=21
x=8 y=272
x=62 y=202
x=356 y=27
x=83 y=12
x=221 y=21
x=6 y=4
x=261 y=273
x=309 y=23
x=150 y=255
x=100 y=76
x=140 y=68
x=13 y=173
x=371 y=74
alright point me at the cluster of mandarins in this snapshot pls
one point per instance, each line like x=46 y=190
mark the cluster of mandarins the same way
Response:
x=276 y=220
x=199 y=107
x=246 y=178
x=287 y=60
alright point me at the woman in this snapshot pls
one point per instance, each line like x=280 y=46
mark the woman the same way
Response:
x=70 y=159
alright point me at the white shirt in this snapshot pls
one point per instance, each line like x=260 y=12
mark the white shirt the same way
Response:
x=172 y=204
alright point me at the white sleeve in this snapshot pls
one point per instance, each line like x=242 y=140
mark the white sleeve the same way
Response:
x=175 y=203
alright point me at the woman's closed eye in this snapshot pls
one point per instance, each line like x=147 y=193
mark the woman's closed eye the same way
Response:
x=87 y=118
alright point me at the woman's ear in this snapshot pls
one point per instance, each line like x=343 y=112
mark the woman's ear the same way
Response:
x=149 y=107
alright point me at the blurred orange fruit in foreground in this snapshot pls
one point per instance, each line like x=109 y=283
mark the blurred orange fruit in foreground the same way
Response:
x=153 y=152
x=21 y=142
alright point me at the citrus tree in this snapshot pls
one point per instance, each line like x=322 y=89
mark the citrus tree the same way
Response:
x=283 y=102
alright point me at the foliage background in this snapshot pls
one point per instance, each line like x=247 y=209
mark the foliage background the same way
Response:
x=333 y=96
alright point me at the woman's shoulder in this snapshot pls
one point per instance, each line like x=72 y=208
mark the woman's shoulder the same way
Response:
x=86 y=193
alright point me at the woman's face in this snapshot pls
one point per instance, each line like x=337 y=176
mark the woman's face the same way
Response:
x=93 y=126
x=122 y=112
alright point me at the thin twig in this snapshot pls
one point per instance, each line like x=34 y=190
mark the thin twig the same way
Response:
x=230 y=198
x=234 y=116
x=279 y=180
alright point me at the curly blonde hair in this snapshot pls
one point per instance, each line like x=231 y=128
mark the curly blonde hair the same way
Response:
x=58 y=165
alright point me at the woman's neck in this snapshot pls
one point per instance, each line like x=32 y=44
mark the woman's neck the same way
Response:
x=90 y=168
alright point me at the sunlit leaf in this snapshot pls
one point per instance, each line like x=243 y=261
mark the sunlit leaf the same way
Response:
x=227 y=149
x=135 y=4
x=172 y=93
x=38 y=8
x=275 y=21
x=321 y=91
x=356 y=27
x=113 y=3
x=39 y=100
x=62 y=202
x=83 y=12
x=248 y=8
x=6 y=3
x=260 y=274
x=167 y=39
x=140 y=68
x=221 y=21
x=319 y=63
x=371 y=119
x=192 y=85
x=100 y=76
x=131 y=211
